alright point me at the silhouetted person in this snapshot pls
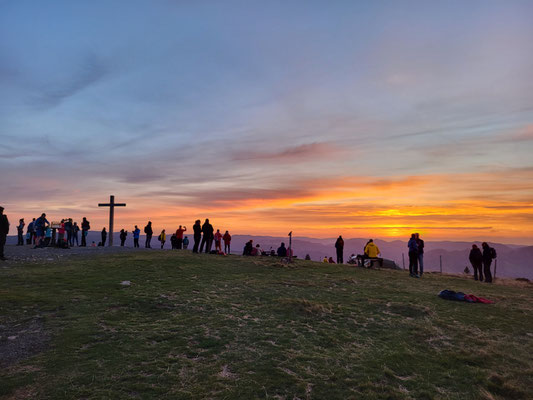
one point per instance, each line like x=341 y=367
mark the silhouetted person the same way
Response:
x=75 y=231
x=489 y=254
x=149 y=232
x=420 y=244
x=248 y=248
x=339 y=246
x=40 y=225
x=85 y=226
x=31 y=232
x=4 y=230
x=331 y=260
x=123 y=236
x=20 y=232
x=218 y=240
x=207 y=238
x=197 y=228
x=282 y=250
x=476 y=259
x=413 y=256
x=185 y=242
x=136 y=236
x=179 y=236
x=104 y=236
x=227 y=242
x=173 y=241
x=307 y=257
x=68 y=230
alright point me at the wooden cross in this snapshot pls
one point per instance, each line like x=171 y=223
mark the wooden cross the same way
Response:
x=111 y=206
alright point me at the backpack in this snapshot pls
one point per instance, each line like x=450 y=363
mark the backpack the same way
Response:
x=159 y=238
x=493 y=252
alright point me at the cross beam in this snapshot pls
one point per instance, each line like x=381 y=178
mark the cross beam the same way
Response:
x=111 y=206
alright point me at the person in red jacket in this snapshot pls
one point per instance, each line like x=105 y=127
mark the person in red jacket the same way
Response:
x=227 y=242
x=218 y=240
x=179 y=236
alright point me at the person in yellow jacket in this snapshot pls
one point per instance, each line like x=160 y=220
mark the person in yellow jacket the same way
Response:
x=371 y=250
x=162 y=238
x=325 y=260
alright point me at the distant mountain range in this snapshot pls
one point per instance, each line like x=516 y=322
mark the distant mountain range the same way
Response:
x=514 y=261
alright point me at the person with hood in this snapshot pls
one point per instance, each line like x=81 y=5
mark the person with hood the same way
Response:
x=123 y=236
x=282 y=250
x=185 y=243
x=420 y=244
x=413 y=256
x=476 y=259
x=162 y=238
x=489 y=254
x=179 y=236
x=149 y=233
x=20 y=232
x=197 y=229
x=104 y=236
x=371 y=250
x=136 y=236
x=218 y=240
x=339 y=246
x=85 y=226
x=4 y=230
x=207 y=238
x=227 y=242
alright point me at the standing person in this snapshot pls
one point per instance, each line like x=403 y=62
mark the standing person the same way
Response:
x=218 y=240
x=476 y=259
x=4 y=230
x=162 y=238
x=489 y=253
x=104 y=236
x=197 y=228
x=207 y=239
x=185 y=242
x=413 y=256
x=85 y=226
x=179 y=236
x=149 y=232
x=420 y=244
x=68 y=231
x=40 y=224
x=227 y=242
x=61 y=234
x=75 y=231
x=31 y=232
x=173 y=241
x=123 y=236
x=339 y=245
x=136 y=235
x=47 y=236
x=20 y=232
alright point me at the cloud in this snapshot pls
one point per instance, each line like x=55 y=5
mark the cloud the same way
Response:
x=291 y=154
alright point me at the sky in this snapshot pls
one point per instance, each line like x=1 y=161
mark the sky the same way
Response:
x=360 y=118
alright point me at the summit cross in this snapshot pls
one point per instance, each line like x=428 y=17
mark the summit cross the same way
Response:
x=111 y=206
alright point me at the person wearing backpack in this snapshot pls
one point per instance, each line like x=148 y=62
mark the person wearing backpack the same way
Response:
x=149 y=232
x=476 y=259
x=162 y=238
x=489 y=254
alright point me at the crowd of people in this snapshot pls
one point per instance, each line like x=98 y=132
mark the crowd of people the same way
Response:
x=41 y=233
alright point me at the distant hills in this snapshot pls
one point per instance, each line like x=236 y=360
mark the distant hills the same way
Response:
x=514 y=261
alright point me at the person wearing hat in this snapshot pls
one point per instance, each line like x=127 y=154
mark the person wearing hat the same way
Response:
x=4 y=229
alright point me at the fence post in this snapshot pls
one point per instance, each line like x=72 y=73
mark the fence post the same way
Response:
x=440 y=263
x=403 y=261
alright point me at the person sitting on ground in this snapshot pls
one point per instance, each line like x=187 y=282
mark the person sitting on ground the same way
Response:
x=218 y=240
x=162 y=238
x=282 y=250
x=256 y=251
x=307 y=257
x=123 y=236
x=325 y=259
x=331 y=260
x=476 y=259
x=248 y=247
x=371 y=251
x=185 y=242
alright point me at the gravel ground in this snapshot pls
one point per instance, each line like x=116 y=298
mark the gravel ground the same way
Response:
x=27 y=254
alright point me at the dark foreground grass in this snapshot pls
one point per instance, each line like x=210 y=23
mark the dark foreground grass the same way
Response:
x=197 y=327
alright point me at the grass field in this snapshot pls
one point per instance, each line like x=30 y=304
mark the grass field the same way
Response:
x=199 y=327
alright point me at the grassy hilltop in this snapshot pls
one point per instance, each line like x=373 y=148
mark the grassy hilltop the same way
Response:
x=199 y=326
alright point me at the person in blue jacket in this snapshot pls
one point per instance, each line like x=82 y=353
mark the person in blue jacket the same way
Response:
x=413 y=256
x=136 y=235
